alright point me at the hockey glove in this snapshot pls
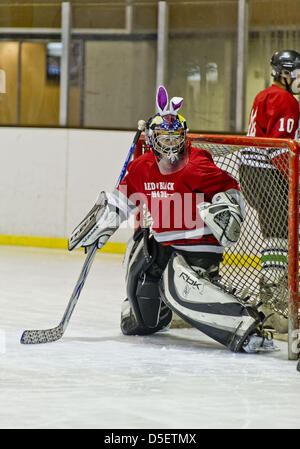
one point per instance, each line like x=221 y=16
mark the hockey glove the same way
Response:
x=224 y=218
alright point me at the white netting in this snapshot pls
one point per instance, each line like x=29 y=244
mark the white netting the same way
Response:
x=256 y=267
x=263 y=240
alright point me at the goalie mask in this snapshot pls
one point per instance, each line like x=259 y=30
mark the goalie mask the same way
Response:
x=286 y=64
x=166 y=134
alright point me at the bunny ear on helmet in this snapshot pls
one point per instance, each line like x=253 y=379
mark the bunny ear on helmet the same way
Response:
x=162 y=100
x=175 y=104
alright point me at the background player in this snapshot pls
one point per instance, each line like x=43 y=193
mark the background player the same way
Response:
x=197 y=210
x=275 y=113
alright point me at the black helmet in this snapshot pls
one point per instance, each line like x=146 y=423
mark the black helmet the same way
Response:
x=285 y=60
x=284 y=63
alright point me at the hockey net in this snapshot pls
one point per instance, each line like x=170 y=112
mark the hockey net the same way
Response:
x=268 y=244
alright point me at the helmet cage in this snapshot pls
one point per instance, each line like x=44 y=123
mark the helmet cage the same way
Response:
x=291 y=80
x=168 y=144
x=166 y=134
x=284 y=72
x=167 y=137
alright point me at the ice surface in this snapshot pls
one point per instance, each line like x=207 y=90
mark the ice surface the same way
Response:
x=95 y=377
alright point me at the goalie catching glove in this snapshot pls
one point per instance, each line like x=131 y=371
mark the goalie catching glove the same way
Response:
x=224 y=217
x=98 y=225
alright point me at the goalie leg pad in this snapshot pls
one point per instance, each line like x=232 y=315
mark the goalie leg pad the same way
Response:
x=148 y=298
x=143 y=312
x=206 y=306
x=130 y=326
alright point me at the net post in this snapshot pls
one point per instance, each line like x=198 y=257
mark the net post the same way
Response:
x=293 y=251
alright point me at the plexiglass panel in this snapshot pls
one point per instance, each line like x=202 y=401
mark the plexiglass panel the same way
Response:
x=119 y=87
x=276 y=30
x=9 y=54
x=113 y=59
x=29 y=14
x=202 y=60
x=119 y=71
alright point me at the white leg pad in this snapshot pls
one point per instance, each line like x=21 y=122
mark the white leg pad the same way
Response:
x=207 y=306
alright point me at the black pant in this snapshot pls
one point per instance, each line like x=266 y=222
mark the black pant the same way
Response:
x=198 y=259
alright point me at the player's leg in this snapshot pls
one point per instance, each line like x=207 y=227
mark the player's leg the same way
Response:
x=194 y=295
x=143 y=312
x=266 y=191
x=274 y=254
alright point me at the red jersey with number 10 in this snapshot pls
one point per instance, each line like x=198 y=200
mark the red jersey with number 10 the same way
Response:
x=275 y=113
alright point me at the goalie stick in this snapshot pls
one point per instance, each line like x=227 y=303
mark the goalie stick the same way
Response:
x=53 y=334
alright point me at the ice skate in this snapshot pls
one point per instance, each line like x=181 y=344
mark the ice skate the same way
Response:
x=260 y=341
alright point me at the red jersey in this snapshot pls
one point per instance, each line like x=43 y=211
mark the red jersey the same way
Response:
x=172 y=199
x=275 y=113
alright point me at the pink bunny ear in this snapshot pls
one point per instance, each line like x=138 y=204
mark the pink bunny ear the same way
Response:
x=162 y=99
x=175 y=104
